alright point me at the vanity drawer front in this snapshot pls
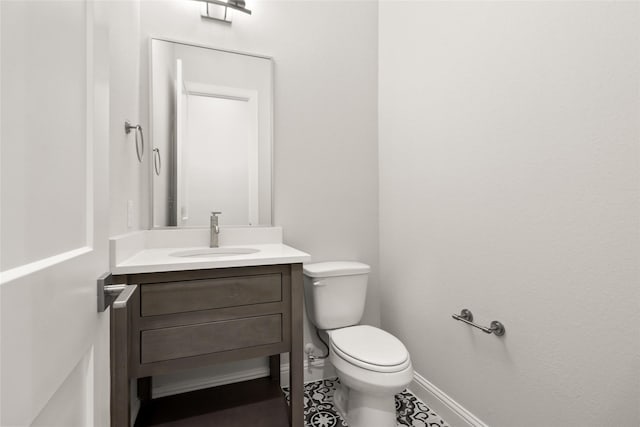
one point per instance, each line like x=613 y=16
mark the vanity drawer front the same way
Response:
x=206 y=294
x=195 y=340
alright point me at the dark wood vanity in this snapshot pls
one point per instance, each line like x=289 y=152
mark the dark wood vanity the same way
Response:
x=172 y=321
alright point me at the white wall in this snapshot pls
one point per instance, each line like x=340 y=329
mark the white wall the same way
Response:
x=325 y=147
x=127 y=175
x=509 y=182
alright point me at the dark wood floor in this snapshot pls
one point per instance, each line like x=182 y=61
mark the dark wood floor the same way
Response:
x=256 y=403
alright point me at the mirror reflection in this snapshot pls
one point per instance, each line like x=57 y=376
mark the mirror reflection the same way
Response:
x=211 y=114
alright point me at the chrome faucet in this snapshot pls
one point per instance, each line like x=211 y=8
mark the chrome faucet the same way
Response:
x=215 y=229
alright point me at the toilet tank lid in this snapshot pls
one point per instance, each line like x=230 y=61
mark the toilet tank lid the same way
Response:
x=335 y=268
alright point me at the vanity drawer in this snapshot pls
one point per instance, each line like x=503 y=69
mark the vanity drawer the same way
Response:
x=194 y=340
x=207 y=294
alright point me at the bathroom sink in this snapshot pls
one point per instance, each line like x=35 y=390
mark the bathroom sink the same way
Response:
x=213 y=252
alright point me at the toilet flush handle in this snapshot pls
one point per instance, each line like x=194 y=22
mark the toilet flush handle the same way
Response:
x=318 y=283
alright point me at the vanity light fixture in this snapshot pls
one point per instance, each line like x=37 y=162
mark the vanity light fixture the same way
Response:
x=221 y=10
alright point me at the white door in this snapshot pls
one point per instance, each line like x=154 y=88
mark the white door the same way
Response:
x=54 y=345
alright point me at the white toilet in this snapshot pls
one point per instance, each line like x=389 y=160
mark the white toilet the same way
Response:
x=372 y=364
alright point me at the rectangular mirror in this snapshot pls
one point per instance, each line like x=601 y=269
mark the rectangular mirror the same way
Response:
x=211 y=135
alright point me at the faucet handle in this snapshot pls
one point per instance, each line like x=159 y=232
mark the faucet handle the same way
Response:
x=216 y=213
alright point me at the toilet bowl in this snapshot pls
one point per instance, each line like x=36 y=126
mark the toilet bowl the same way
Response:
x=372 y=365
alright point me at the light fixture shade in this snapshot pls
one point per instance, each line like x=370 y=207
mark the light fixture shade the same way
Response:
x=239 y=5
x=220 y=10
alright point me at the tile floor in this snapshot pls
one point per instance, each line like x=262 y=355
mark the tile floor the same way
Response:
x=320 y=412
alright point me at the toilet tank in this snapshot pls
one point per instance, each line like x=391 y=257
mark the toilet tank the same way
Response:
x=335 y=293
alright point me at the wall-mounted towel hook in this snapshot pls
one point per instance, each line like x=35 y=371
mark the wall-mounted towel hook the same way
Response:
x=157 y=161
x=139 y=146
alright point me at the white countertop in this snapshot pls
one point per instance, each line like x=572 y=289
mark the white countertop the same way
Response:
x=142 y=252
x=160 y=259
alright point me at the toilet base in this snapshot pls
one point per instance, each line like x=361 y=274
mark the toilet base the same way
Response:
x=365 y=410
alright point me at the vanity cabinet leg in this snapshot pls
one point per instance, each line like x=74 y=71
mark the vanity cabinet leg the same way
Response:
x=119 y=373
x=144 y=389
x=120 y=352
x=296 y=356
x=274 y=368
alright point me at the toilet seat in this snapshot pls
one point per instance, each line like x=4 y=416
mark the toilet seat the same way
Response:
x=370 y=348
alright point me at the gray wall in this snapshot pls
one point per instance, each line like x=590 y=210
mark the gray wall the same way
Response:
x=509 y=183
x=125 y=172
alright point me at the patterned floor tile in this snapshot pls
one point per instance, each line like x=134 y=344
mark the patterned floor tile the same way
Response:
x=319 y=410
x=411 y=411
x=321 y=391
x=324 y=416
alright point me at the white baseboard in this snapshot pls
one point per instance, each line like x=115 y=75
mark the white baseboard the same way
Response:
x=450 y=410
x=319 y=370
